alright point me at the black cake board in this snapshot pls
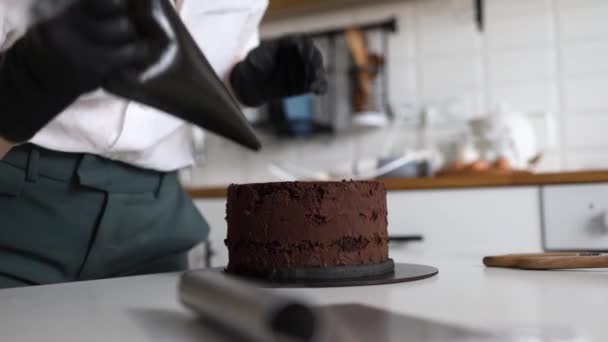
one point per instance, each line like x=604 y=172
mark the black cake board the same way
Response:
x=338 y=276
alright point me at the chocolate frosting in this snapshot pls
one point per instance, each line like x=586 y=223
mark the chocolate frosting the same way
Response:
x=305 y=224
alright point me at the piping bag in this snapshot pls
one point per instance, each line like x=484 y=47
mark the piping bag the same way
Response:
x=250 y=312
x=177 y=79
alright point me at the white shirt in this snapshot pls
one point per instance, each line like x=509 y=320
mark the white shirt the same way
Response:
x=103 y=124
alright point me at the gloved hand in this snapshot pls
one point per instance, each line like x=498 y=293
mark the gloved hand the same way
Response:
x=60 y=59
x=284 y=67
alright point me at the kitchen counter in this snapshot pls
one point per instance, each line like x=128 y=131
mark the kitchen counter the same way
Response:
x=481 y=181
x=144 y=309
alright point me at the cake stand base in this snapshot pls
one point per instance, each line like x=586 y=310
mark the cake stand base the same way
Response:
x=402 y=273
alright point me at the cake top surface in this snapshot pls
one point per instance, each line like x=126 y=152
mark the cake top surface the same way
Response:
x=308 y=184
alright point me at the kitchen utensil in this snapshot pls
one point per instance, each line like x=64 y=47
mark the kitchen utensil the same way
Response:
x=367 y=100
x=548 y=261
x=251 y=312
x=405 y=238
x=371 y=119
x=369 y=111
x=413 y=169
x=357 y=44
x=177 y=79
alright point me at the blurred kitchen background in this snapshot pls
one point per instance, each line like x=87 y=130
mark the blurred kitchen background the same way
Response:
x=432 y=86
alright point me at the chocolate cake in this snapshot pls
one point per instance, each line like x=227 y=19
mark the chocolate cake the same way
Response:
x=304 y=225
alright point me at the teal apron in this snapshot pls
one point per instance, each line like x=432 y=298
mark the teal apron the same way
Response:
x=68 y=217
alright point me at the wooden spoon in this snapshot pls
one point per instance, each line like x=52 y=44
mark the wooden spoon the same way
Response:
x=359 y=49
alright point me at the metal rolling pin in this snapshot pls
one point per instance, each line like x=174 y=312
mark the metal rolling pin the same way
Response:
x=254 y=313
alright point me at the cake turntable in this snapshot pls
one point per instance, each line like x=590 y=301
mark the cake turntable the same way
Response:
x=313 y=234
x=388 y=272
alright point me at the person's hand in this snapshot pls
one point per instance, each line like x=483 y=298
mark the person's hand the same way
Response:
x=60 y=59
x=284 y=67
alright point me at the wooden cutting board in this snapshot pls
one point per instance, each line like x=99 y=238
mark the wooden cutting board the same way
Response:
x=548 y=261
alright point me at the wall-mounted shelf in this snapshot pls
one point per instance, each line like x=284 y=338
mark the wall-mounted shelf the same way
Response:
x=280 y=9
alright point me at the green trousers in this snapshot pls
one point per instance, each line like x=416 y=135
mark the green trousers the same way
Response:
x=68 y=217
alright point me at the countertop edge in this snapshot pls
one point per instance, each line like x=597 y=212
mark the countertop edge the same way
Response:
x=457 y=182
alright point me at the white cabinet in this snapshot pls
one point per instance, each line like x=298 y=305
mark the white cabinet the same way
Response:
x=214 y=211
x=576 y=217
x=476 y=221
x=454 y=222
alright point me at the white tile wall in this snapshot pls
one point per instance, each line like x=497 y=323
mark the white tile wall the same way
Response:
x=580 y=159
x=582 y=19
x=403 y=83
x=519 y=24
x=537 y=55
x=587 y=131
x=586 y=94
x=445 y=30
x=445 y=77
x=522 y=65
x=585 y=57
x=526 y=96
x=515 y=8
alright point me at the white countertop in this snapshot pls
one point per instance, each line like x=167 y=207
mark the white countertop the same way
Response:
x=145 y=309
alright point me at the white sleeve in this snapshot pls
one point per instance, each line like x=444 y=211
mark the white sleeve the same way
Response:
x=3 y=30
x=5 y=146
x=251 y=32
x=9 y=30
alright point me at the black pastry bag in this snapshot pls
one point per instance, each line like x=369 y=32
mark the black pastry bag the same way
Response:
x=178 y=78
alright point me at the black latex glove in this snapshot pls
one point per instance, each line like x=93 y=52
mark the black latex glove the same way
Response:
x=284 y=67
x=60 y=59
